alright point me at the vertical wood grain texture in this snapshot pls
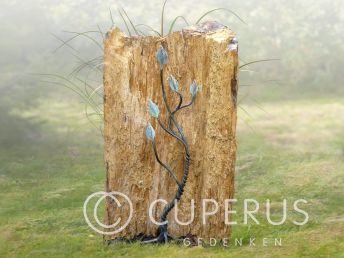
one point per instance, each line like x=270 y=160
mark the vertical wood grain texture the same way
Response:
x=131 y=77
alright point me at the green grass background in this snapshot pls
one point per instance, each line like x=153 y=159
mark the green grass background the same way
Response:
x=292 y=149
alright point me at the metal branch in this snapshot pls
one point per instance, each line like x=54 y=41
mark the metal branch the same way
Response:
x=179 y=107
x=163 y=236
x=173 y=134
x=180 y=100
x=166 y=104
x=163 y=91
x=169 y=170
x=188 y=105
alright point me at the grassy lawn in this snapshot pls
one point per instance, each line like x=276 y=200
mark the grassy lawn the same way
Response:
x=286 y=150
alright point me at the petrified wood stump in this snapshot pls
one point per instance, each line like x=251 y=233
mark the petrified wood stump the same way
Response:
x=204 y=53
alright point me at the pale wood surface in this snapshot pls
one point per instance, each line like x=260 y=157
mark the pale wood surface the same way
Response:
x=131 y=77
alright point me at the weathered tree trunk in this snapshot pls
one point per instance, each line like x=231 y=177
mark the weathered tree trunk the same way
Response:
x=131 y=77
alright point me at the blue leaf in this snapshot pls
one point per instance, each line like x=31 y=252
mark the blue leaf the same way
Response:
x=150 y=133
x=193 y=88
x=162 y=57
x=174 y=84
x=153 y=109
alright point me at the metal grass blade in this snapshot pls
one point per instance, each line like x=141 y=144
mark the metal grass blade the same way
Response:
x=175 y=20
x=100 y=31
x=125 y=22
x=111 y=17
x=131 y=23
x=162 y=19
x=258 y=61
x=71 y=39
x=149 y=27
x=223 y=9
x=84 y=34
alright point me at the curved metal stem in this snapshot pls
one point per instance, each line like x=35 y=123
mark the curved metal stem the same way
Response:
x=179 y=107
x=163 y=233
x=180 y=100
x=163 y=91
x=166 y=104
x=186 y=146
x=182 y=139
x=169 y=170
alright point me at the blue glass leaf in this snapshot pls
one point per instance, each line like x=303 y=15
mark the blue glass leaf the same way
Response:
x=153 y=109
x=174 y=84
x=150 y=132
x=162 y=57
x=193 y=88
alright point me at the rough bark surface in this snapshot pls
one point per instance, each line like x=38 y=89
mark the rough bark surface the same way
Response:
x=131 y=77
